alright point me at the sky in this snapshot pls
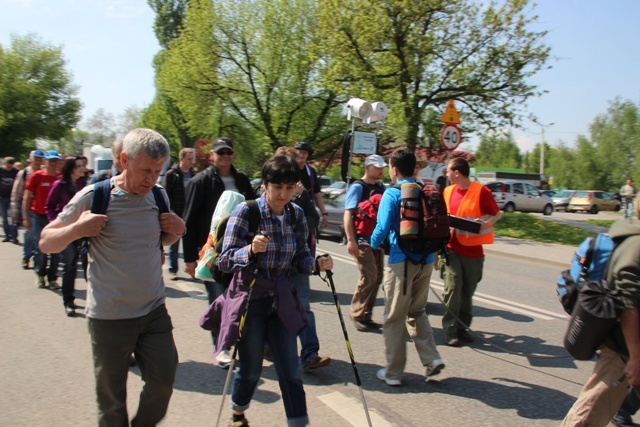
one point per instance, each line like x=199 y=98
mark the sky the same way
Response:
x=110 y=45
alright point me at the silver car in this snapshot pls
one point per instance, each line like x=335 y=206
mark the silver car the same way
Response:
x=561 y=199
x=520 y=196
x=335 y=209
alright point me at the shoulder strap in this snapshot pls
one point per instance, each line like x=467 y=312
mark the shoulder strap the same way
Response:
x=162 y=204
x=293 y=219
x=100 y=198
x=254 y=217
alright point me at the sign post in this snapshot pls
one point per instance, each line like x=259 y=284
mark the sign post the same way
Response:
x=450 y=135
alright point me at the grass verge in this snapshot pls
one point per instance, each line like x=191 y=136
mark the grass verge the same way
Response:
x=601 y=222
x=528 y=227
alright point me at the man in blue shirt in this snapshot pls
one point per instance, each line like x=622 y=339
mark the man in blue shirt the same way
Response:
x=404 y=306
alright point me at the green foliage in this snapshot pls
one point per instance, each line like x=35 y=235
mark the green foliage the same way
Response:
x=528 y=227
x=416 y=55
x=37 y=95
x=498 y=151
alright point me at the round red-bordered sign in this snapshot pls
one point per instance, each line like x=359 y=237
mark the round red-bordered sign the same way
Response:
x=450 y=137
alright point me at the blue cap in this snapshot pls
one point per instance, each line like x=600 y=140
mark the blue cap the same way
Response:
x=38 y=153
x=52 y=154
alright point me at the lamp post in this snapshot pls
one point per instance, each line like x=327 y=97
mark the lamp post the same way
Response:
x=542 y=148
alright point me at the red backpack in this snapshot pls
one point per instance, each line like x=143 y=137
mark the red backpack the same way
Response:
x=366 y=213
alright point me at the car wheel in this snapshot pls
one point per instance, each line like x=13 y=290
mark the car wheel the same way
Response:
x=510 y=207
x=616 y=208
x=548 y=210
x=593 y=210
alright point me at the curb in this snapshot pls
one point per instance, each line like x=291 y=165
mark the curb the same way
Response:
x=556 y=264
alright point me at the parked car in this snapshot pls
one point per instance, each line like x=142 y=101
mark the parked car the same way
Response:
x=325 y=181
x=593 y=201
x=549 y=193
x=334 y=190
x=561 y=199
x=520 y=196
x=335 y=209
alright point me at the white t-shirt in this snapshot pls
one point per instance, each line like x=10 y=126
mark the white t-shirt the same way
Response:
x=125 y=266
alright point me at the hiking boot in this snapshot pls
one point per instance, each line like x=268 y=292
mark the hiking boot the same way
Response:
x=382 y=374
x=53 y=284
x=25 y=263
x=40 y=282
x=622 y=422
x=242 y=423
x=316 y=362
x=224 y=360
x=360 y=325
x=434 y=368
x=465 y=336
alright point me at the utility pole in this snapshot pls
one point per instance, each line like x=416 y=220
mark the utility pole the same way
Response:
x=542 y=178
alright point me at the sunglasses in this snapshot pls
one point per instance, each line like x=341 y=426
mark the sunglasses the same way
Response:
x=225 y=153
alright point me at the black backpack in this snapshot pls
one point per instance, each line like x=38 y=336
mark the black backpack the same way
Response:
x=254 y=224
x=424 y=222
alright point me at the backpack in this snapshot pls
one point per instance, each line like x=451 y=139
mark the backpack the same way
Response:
x=254 y=224
x=424 y=222
x=588 y=264
x=216 y=244
x=366 y=212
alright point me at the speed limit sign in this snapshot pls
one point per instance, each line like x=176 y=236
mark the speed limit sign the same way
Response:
x=450 y=137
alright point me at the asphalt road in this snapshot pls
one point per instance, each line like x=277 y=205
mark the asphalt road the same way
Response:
x=517 y=373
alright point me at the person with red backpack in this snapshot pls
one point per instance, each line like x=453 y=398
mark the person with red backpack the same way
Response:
x=360 y=212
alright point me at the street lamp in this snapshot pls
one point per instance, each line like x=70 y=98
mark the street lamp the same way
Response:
x=542 y=148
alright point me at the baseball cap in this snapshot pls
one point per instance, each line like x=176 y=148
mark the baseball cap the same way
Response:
x=222 y=143
x=375 y=160
x=52 y=154
x=38 y=153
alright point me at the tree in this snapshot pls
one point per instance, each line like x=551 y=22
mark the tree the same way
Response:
x=499 y=151
x=101 y=127
x=416 y=55
x=243 y=68
x=37 y=95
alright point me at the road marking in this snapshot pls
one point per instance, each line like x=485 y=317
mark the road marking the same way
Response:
x=352 y=410
x=513 y=306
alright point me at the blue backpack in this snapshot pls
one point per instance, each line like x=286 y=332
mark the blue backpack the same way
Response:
x=588 y=264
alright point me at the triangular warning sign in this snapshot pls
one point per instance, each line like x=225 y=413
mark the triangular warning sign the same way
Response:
x=451 y=115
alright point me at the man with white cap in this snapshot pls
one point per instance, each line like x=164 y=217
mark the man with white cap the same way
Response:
x=370 y=261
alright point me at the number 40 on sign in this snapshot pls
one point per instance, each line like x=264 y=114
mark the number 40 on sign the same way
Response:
x=450 y=136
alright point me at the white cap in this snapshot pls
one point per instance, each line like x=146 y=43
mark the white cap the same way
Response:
x=375 y=160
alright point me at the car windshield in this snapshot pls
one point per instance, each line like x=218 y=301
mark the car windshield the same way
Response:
x=339 y=184
x=581 y=194
x=563 y=194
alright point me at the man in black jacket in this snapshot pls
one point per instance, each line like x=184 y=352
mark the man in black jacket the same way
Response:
x=203 y=194
x=176 y=182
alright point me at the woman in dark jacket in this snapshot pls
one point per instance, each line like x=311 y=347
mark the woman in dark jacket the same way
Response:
x=61 y=193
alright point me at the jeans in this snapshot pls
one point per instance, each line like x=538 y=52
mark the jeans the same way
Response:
x=628 y=207
x=214 y=290
x=150 y=338
x=629 y=407
x=29 y=247
x=70 y=257
x=39 y=222
x=9 y=229
x=263 y=325
x=173 y=256
x=308 y=336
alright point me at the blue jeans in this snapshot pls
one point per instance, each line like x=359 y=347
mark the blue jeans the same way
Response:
x=263 y=325
x=70 y=257
x=29 y=247
x=628 y=207
x=10 y=231
x=173 y=256
x=38 y=223
x=150 y=338
x=308 y=336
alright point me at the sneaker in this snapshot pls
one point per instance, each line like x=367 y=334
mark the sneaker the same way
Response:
x=53 y=284
x=224 y=359
x=465 y=336
x=434 y=368
x=15 y=241
x=40 y=282
x=70 y=310
x=382 y=374
x=6 y=239
x=242 y=423
x=316 y=362
x=25 y=263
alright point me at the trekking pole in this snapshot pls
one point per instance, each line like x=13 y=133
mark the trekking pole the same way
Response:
x=235 y=347
x=346 y=339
